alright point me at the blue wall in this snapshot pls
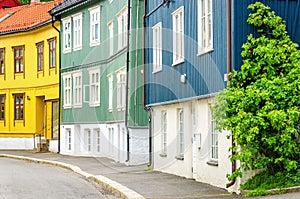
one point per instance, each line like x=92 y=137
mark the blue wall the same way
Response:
x=287 y=9
x=204 y=74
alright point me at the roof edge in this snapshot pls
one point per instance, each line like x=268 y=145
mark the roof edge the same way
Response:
x=65 y=7
x=26 y=29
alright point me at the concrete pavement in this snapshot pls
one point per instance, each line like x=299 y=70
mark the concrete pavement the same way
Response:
x=126 y=181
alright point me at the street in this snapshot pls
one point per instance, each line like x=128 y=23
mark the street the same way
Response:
x=22 y=179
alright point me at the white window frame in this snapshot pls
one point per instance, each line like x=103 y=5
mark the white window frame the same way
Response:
x=121 y=88
x=94 y=87
x=94 y=22
x=214 y=139
x=122 y=18
x=67 y=83
x=157 y=47
x=88 y=140
x=69 y=139
x=67 y=32
x=111 y=37
x=164 y=129
x=77 y=31
x=180 y=129
x=111 y=136
x=178 y=36
x=97 y=133
x=205 y=15
x=77 y=89
x=110 y=92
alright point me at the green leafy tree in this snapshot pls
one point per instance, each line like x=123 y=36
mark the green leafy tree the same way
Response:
x=24 y=2
x=260 y=106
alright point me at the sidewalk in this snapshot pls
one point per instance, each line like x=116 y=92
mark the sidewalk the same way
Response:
x=149 y=184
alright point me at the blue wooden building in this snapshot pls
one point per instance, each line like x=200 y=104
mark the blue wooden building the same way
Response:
x=191 y=46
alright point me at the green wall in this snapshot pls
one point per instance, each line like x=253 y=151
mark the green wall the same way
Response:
x=90 y=57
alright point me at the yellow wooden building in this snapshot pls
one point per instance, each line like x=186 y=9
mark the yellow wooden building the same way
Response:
x=29 y=77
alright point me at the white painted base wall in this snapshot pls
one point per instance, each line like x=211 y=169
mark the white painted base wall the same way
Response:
x=17 y=143
x=197 y=144
x=83 y=140
x=53 y=146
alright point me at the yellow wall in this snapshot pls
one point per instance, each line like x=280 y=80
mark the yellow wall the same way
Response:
x=37 y=86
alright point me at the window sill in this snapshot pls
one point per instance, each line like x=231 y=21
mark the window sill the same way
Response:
x=121 y=108
x=67 y=51
x=156 y=71
x=205 y=51
x=178 y=62
x=67 y=106
x=213 y=163
x=19 y=120
x=94 y=104
x=94 y=43
x=77 y=48
x=77 y=106
x=179 y=157
x=163 y=155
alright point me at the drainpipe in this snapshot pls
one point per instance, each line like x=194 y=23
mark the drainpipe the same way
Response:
x=148 y=109
x=233 y=166
x=59 y=85
x=127 y=81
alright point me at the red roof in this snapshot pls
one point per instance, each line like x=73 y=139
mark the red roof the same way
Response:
x=9 y=3
x=26 y=17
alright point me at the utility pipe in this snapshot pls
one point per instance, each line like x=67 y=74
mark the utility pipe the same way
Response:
x=148 y=109
x=59 y=85
x=127 y=79
x=233 y=166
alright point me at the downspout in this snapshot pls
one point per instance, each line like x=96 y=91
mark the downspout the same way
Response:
x=148 y=109
x=127 y=80
x=59 y=86
x=229 y=69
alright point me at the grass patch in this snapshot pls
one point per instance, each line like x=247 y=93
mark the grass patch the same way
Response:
x=257 y=192
x=260 y=183
x=149 y=168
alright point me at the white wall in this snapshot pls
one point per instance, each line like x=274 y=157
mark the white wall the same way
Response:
x=17 y=143
x=170 y=164
x=113 y=142
x=195 y=164
x=139 y=146
x=53 y=146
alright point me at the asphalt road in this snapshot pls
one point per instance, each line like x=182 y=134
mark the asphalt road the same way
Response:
x=25 y=180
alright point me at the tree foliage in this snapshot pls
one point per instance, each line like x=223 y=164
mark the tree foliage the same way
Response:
x=24 y=2
x=260 y=106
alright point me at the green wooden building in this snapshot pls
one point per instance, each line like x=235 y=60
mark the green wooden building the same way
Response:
x=102 y=95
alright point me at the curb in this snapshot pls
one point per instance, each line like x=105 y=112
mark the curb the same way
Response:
x=113 y=186
x=277 y=190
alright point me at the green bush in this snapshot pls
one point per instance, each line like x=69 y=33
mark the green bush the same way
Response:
x=266 y=180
